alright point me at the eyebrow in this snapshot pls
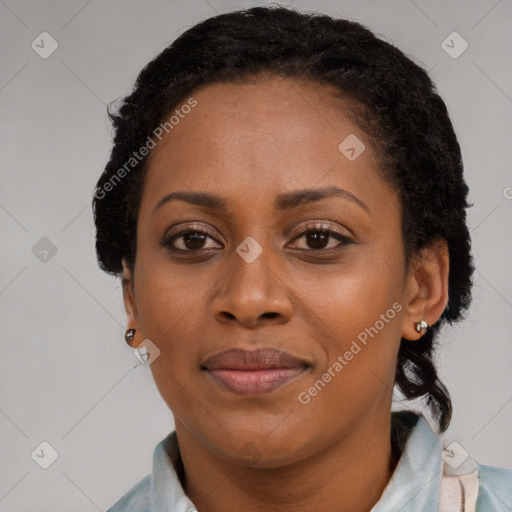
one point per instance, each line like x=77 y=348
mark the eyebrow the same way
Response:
x=286 y=201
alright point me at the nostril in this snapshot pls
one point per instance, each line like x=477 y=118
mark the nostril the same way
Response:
x=270 y=315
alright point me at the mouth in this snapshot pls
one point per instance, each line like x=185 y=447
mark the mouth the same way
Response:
x=253 y=372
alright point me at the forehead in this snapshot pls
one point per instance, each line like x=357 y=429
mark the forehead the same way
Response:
x=264 y=136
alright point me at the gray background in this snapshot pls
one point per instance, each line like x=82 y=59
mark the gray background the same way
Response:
x=67 y=377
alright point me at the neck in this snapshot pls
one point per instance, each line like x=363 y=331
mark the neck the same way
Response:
x=349 y=475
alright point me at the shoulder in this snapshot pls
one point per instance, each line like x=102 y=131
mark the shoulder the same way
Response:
x=495 y=490
x=424 y=458
x=136 y=499
x=161 y=489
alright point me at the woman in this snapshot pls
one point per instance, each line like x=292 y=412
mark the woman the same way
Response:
x=285 y=206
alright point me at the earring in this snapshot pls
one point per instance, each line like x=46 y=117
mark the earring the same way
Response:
x=421 y=325
x=129 y=335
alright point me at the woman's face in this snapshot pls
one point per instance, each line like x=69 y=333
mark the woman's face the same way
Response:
x=247 y=276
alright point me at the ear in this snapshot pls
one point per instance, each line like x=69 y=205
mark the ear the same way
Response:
x=129 y=301
x=427 y=288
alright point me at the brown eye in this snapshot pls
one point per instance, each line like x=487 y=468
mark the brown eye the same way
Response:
x=317 y=239
x=194 y=240
x=321 y=238
x=190 y=241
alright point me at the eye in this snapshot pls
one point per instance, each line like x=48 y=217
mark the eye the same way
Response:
x=321 y=237
x=191 y=239
x=317 y=238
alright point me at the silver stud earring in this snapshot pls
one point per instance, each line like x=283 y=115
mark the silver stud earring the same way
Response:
x=129 y=335
x=421 y=325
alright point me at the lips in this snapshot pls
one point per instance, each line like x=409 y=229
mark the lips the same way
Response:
x=253 y=371
x=260 y=359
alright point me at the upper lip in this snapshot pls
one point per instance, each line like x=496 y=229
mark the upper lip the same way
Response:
x=259 y=359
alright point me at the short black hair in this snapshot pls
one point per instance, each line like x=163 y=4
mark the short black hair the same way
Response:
x=394 y=100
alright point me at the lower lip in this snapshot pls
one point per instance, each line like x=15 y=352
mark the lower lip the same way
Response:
x=251 y=382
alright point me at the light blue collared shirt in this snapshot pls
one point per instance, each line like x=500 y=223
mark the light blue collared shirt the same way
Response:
x=413 y=487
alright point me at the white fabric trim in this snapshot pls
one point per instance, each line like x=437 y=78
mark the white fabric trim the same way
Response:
x=458 y=493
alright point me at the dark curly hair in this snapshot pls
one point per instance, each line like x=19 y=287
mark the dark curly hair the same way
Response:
x=393 y=100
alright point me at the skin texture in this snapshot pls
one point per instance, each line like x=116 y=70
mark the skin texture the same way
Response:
x=249 y=143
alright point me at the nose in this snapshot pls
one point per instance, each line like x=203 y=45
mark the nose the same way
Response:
x=252 y=294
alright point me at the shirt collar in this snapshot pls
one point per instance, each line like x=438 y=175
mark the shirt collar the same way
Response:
x=166 y=492
x=415 y=482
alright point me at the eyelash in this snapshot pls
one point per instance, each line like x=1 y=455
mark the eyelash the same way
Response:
x=314 y=228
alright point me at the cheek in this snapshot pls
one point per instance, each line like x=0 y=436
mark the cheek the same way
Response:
x=170 y=315
x=347 y=298
x=171 y=309
x=356 y=311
